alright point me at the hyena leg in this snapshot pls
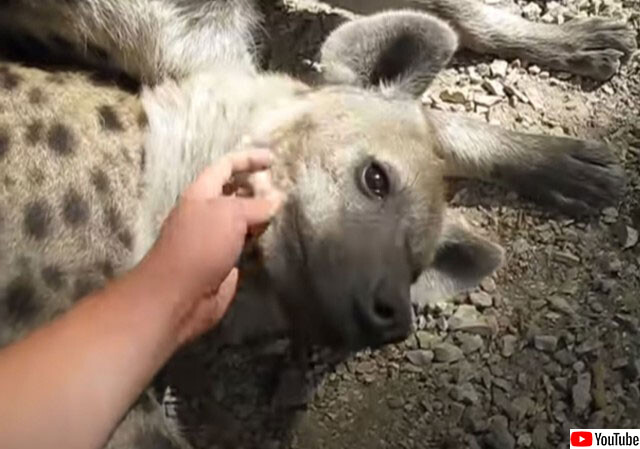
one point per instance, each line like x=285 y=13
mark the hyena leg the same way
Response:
x=576 y=176
x=591 y=47
x=149 y=40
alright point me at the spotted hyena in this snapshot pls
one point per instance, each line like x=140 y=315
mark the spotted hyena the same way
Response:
x=89 y=168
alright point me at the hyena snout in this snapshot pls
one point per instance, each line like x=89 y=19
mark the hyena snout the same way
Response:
x=364 y=285
x=384 y=313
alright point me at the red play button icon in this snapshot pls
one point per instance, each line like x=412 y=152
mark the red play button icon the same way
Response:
x=581 y=439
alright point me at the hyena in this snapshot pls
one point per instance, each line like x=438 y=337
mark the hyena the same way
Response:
x=89 y=170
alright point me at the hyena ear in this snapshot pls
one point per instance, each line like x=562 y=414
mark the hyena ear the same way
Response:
x=463 y=259
x=398 y=52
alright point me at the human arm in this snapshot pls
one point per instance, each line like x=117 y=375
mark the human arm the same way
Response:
x=68 y=383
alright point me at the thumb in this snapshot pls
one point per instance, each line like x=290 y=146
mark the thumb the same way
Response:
x=259 y=210
x=224 y=296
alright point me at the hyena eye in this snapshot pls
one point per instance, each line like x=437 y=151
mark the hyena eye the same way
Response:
x=375 y=180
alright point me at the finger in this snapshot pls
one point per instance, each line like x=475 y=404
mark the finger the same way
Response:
x=257 y=211
x=211 y=181
x=224 y=296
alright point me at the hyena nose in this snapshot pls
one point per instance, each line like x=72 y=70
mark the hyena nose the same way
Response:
x=386 y=314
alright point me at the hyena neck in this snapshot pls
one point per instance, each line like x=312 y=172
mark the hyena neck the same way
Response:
x=192 y=123
x=195 y=121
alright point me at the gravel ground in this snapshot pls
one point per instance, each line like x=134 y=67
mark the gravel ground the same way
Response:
x=550 y=343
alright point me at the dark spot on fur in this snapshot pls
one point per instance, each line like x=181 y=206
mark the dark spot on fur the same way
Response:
x=5 y=141
x=61 y=139
x=33 y=133
x=8 y=181
x=114 y=219
x=36 y=96
x=53 y=277
x=109 y=119
x=153 y=440
x=116 y=226
x=111 y=79
x=75 y=210
x=82 y=287
x=37 y=219
x=20 y=299
x=126 y=239
x=36 y=176
x=107 y=269
x=100 y=181
x=8 y=79
x=143 y=158
x=143 y=120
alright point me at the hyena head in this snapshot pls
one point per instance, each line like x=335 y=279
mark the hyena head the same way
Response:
x=365 y=215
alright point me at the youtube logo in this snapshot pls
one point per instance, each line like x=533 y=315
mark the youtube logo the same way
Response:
x=581 y=439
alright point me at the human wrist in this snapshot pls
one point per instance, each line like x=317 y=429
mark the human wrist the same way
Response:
x=156 y=300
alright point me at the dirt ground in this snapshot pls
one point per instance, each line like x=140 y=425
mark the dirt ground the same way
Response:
x=551 y=343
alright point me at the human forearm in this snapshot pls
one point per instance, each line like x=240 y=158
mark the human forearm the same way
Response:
x=100 y=356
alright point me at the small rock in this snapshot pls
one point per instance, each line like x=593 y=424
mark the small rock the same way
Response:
x=614 y=265
x=545 y=343
x=453 y=96
x=494 y=87
x=559 y=304
x=486 y=100
x=473 y=419
x=523 y=406
x=610 y=215
x=466 y=318
x=483 y=70
x=525 y=440
x=474 y=76
x=596 y=421
x=513 y=92
x=426 y=339
x=509 y=345
x=539 y=436
x=465 y=393
x=488 y=285
x=366 y=367
x=581 y=393
x=578 y=366
x=532 y=11
x=565 y=357
x=499 y=68
x=471 y=343
x=420 y=357
x=481 y=299
x=455 y=413
x=499 y=436
x=566 y=258
x=588 y=346
x=395 y=402
x=534 y=70
x=447 y=353
x=626 y=235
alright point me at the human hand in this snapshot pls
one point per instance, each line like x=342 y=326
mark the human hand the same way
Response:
x=202 y=238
